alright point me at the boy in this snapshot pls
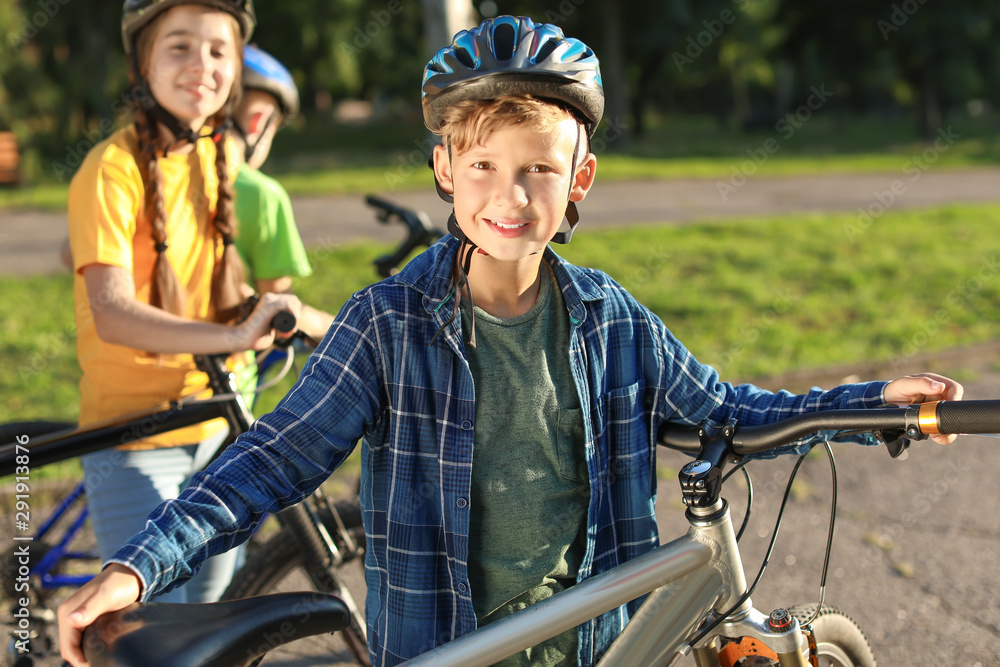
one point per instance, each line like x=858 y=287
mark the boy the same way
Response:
x=555 y=377
x=268 y=239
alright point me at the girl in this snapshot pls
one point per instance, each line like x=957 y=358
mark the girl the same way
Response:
x=157 y=278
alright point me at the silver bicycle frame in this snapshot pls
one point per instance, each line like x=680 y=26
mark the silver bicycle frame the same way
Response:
x=689 y=580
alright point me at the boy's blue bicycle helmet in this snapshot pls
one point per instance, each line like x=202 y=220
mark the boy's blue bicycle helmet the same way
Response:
x=262 y=71
x=513 y=55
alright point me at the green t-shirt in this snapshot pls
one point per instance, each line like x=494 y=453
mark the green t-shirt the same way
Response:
x=267 y=238
x=530 y=487
x=268 y=241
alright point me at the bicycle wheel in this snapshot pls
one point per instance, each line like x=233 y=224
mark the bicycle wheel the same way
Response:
x=278 y=566
x=840 y=642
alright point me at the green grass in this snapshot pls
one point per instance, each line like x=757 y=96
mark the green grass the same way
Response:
x=753 y=297
x=325 y=158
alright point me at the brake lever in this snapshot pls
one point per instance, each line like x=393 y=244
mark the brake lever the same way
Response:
x=895 y=443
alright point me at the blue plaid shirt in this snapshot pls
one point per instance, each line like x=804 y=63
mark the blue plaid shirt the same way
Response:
x=376 y=377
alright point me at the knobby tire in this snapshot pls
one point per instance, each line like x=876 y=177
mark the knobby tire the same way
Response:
x=840 y=641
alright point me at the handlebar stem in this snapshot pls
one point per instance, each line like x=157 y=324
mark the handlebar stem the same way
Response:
x=701 y=479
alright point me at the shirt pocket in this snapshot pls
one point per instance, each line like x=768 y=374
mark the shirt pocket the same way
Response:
x=626 y=436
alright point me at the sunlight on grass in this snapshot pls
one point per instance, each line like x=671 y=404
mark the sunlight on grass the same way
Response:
x=754 y=297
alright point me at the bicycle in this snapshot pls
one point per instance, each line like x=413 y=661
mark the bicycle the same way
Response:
x=313 y=546
x=698 y=600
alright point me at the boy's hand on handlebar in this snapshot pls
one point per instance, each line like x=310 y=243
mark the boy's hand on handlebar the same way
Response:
x=923 y=388
x=116 y=587
x=256 y=332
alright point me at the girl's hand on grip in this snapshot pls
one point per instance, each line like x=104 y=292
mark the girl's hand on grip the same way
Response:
x=256 y=332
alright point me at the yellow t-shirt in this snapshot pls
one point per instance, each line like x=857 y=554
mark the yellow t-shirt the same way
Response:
x=107 y=225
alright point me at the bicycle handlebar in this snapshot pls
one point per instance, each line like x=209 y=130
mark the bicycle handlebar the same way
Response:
x=963 y=416
x=284 y=322
x=54 y=447
x=940 y=417
x=419 y=232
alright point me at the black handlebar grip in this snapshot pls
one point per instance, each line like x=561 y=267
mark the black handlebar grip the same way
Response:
x=968 y=416
x=284 y=322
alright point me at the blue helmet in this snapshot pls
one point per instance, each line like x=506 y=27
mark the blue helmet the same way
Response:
x=513 y=55
x=262 y=71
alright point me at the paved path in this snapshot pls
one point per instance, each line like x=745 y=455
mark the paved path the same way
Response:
x=29 y=240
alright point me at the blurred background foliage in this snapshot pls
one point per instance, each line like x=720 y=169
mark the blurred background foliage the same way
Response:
x=744 y=64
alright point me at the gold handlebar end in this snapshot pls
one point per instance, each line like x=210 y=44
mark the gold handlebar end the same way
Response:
x=927 y=418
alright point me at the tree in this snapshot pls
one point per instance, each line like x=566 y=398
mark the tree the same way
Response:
x=442 y=19
x=944 y=54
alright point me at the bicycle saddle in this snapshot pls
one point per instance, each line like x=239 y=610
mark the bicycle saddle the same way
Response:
x=220 y=634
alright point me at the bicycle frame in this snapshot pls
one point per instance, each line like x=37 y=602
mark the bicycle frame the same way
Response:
x=60 y=551
x=688 y=580
x=68 y=444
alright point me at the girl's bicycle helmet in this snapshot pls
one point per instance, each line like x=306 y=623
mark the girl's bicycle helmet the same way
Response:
x=262 y=71
x=513 y=55
x=137 y=14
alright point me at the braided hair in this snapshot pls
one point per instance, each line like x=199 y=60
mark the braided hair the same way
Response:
x=229 y=273
x=166 y=291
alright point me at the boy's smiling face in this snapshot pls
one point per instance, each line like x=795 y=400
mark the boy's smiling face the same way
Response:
x=511 y=188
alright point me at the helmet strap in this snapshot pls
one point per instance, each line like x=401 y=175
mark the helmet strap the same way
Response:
x=572 y=214
x=250 y=149
x=465 y=252
x=155 y=111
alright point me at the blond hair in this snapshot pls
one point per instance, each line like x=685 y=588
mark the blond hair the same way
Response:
x=471 y=122
x=229 y=274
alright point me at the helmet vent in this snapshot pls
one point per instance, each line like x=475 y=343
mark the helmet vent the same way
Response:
x=543 y=53
x=503 y=41
x=463 y=57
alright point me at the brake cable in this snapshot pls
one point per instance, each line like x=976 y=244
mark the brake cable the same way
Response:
x=829 y=536
x=767 y=558
x=746 y=516
x=774 y=537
